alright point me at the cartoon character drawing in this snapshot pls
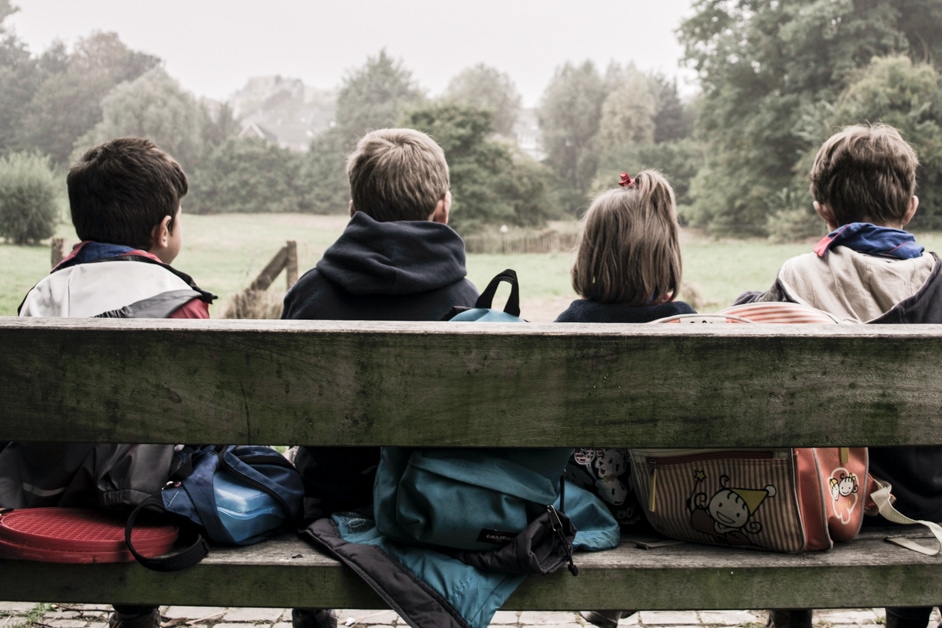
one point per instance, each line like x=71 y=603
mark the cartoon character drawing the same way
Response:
x=605 y=467
x=848 y=484
x=609 y=465
x=844 y=486
x=729 y=514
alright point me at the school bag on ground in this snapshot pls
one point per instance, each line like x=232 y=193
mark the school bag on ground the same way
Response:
x=229 y=495
x=777 y=499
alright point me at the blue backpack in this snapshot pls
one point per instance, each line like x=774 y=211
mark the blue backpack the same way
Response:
x=483 y=311
x=229 y=495
x=505 y=503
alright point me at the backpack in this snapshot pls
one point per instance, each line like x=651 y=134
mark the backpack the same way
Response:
x=483 y=310
x=778 y=499
x=233 y=494
x=486 y=500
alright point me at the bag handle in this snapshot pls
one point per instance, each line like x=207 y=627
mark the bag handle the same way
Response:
x=486 y=299
x=182 y=559
x=881 y=497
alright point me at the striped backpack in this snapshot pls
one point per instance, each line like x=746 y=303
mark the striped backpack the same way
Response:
x=778 y=499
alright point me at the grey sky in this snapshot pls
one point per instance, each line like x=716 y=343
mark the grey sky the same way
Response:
x=213 y=46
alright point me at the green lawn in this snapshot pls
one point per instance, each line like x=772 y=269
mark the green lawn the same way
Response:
x=225 y=253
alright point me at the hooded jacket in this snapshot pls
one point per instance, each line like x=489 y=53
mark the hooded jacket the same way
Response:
x=876 y=290
x=114 y=281
x=98 y=280
x=391 y=271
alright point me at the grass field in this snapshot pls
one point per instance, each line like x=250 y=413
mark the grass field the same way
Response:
x=224 y=253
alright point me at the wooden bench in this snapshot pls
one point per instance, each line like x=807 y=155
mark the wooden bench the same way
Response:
x=450 y=384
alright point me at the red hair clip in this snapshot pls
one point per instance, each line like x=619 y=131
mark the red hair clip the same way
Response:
x=626 y=181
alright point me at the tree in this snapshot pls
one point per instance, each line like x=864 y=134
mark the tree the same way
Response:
x=374 y=96
x=569 y=116
x=103 y=55
x=324 y=174
x=907 y=96
x=67 y=102
x=490 y=185
x=247 y=175
x=673 y=119
x=763 y=65
x=156 y=107
x=627 y=116
x=18 y=81
x=29 y=192
x=487 y=88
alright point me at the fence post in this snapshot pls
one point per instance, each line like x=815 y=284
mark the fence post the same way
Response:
x=59 y=251
x=291 y=263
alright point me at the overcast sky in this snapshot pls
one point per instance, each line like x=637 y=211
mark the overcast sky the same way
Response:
x=213 y=46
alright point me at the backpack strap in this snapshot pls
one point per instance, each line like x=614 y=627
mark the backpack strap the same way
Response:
x=486 y=299
x=188 y=556
x=882 y=499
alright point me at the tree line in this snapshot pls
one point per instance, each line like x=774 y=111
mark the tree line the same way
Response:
x=776 y=78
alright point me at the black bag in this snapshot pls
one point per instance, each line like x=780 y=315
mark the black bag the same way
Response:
x=234 y=495
x=114 y=476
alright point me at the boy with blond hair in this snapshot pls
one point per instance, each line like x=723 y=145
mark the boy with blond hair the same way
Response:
x=396 y=260
x=871 y=270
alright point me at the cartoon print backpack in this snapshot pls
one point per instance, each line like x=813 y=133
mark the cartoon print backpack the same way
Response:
x=784 y=499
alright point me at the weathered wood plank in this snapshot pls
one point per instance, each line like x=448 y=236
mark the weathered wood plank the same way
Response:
x=288 y=572
x=333 y=383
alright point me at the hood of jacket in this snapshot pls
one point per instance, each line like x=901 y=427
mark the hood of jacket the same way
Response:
x=393 y=258
x=857 y=286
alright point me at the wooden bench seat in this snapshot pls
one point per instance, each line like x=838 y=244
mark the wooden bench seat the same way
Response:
x=450 y=384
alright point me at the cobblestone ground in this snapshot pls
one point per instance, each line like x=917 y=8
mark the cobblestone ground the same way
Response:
x=19 y=614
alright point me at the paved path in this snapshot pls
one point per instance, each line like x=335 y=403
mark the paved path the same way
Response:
x=16 y=614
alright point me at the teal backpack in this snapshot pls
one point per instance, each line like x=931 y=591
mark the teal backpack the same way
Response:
x=483 y=311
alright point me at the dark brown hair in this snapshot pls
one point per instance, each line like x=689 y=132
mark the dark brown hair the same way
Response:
x=120 y=190
x=865 y=174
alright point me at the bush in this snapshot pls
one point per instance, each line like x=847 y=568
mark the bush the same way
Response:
x=29 y=193
x=794 y=225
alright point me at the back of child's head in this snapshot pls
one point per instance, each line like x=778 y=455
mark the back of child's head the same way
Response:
x=629 y=247
x=397 y=174
x=120 y=190
x=865 y=174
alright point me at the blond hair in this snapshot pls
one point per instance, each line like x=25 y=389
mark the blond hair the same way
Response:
x=865 y=174
x=628 y=249
x=397 y=174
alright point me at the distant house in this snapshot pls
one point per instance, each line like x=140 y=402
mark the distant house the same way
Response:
x=284 y=111
x=528 y=135
x=256 y=129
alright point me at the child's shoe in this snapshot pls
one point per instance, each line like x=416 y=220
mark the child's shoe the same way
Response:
x=313 y=618
x=147 y=619
x=605 y=619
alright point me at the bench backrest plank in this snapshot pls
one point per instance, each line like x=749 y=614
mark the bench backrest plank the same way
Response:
x=361 y=383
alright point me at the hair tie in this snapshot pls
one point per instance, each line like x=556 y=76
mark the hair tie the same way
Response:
x=627 y=182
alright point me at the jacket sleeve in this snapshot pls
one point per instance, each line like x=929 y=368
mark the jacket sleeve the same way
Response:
x=194 y=308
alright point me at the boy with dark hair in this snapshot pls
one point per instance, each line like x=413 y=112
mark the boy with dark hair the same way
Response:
x=869 y=269
x=124 y=197
x=397 y=260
